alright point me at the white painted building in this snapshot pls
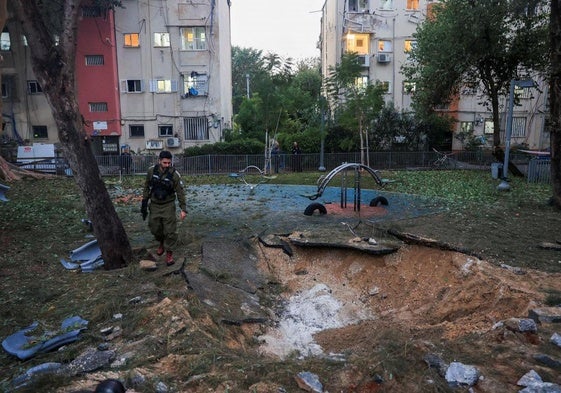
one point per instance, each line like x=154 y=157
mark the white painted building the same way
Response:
x=381 y=32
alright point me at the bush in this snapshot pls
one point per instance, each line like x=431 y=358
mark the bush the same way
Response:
x=239 y=146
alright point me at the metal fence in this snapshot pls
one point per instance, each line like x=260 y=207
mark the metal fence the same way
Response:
x=225 y=164
x=539 y=170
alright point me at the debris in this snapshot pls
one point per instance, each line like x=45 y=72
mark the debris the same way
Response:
x=459 y=374
x=309 y=382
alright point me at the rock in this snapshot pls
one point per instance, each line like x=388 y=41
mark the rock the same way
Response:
x=148 y=266
x=436 y=362
x=547 y=360
x=521 y=325
x=309 y=382
x=161 y=387
x=546 y=314
x=556 y=339
x=531 y=377
x=459 y=374
x=543 y=387
x=90 y=360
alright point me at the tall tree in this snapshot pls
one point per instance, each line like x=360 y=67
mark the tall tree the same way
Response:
x=555 y=100
x=51 y=29
x=479 y=43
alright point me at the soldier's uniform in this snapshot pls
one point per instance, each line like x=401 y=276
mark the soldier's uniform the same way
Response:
x=163 y=186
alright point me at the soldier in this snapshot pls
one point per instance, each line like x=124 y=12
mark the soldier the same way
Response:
x=162 y=187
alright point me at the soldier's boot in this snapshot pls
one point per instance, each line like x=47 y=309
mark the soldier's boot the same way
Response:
x=169 y=258
x=160 y=250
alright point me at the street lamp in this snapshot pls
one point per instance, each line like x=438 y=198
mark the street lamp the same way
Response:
x=524 y=83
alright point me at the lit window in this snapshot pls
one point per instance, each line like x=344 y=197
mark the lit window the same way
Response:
x=409 y=45
x=193 y=38
x=385 y=85
x=359 y=5
x=522 y=92
x=132 y=86
x=163 y=86
x=132 y=40
x=361 y=82
x=384 y=46
x=33 y=87
x=161 y=39
x=196 y=128
x=195 y=85
x=136 y=130
x=412 y=4
x=5 y=42
x=95 y=60
x=466 y=126
x=98 y=106
x=39 y=132
x=358 y=43
x=489 y=126
x=165 y=130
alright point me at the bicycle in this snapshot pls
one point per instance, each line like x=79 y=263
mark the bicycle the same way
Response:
x=443 y=161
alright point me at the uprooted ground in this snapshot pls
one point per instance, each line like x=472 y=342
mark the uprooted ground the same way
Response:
x=401 y=306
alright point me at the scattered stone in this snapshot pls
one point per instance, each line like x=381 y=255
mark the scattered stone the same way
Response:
x=90 y=360
x=137 y=379
x=530 y=378
x=118 y=317
x=547 y=360
x=135 y=300
x=161 y=387
x=521 y=325
x=309 y=382
x=374 y=291
x=116 y=332
x=106 y=331
x=103 y=347
x=515 y=270
x=546 y=314
x=550 y=246
x=41 y=369
x=556 y=339
x=148 y=266
x=543 y=387
x=436 y=362
x=459 y=374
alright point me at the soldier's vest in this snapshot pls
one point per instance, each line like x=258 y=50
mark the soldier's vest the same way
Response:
x=162 y=186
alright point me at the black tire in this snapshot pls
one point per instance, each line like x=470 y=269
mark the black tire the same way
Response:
x=312 y=207
x=380 y=200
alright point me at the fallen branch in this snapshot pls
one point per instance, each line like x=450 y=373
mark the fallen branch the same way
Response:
x=550 y=246
x=10 y=172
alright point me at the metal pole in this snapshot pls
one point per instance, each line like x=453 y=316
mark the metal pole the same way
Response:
x=247 y=85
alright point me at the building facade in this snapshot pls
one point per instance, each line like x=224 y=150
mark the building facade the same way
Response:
x=152 y=75
x=381 y=33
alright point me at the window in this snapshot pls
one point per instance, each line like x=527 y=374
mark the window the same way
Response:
x=196 y=128
x=359 y=6
x=5 y=42
x=132 y=40
x=384 y=46
x=412 y=5
x=136 y=130
x=163 y=86
x=39 y=132
x=361 y=82
x=33 y=87
x=161 y=39
x=193 y=38
x=195 y=85
x=409 y=87
x=132 y=86
x=386 y=86
x=409 y=45
x=518 y=127
x=95 y=60
x=165 y=130
x=92 y=12
x=466 y=126
x=8 y=84
x=358 y=43
x=98 y=106
x=489 y=126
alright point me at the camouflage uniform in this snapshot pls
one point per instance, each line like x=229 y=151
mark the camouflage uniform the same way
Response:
x=162 y=187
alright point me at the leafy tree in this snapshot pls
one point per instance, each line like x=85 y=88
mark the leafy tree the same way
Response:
x=555 y=101
x=480 y=43
x=50 y=29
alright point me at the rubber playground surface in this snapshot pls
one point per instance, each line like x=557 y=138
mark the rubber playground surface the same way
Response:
x=281 y=207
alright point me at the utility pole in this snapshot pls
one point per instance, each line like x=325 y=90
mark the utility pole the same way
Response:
x=247 y=85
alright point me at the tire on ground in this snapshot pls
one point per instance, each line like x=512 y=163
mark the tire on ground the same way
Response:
x=312 y=207
x=380 y=200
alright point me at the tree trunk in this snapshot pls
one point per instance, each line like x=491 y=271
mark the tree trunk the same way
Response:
x=54 y=66
x=555 y=100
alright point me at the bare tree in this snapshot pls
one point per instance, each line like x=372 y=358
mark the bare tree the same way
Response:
x=52 y=57
x=555 y=100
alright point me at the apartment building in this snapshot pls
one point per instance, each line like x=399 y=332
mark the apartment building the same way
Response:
x=153 y=75
x=381 y=32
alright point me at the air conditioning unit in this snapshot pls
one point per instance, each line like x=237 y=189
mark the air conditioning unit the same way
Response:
x=173 y=142
x=364 y=60
x=384 y=58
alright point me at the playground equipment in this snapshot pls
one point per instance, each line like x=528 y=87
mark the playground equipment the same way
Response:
x=344 y=169
x=251 y=170
x=3 y=189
